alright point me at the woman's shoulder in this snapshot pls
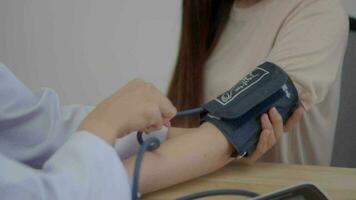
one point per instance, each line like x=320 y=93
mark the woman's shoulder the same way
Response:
x=282 y=11
x=325 y=15
x=330 y=4
x=304 y=8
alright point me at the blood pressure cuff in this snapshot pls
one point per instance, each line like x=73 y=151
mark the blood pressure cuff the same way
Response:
x=236 y=113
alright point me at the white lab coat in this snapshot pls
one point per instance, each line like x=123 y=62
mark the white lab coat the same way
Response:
x=43 y=157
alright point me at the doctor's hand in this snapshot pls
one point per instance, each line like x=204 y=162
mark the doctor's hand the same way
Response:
x=272 y=130
x=138 y=106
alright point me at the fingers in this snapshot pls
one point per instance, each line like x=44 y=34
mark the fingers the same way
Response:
x=265 y=122
x=165 y=109
x=152 y=128
x=262 y=147
x=267 y=138
x=267 y=125
x=161 y=118
x=272 y=130
x=168 y=111
x=154 y=119
x=157 y=122
x=277 y=122
x=294 y=119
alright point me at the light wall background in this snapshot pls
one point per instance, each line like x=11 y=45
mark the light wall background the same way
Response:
x=350 y=6
x=86 y=49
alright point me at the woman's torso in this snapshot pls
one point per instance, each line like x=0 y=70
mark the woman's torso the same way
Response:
x=248 y=41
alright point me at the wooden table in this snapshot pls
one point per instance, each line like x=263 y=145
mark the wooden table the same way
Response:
x=338 y=183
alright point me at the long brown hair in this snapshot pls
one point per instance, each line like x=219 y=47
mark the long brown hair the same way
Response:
x=202 y=24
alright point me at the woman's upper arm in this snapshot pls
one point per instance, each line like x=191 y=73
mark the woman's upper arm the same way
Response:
x=310 y=47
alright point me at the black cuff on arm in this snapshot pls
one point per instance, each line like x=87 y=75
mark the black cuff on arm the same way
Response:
x=236 y=113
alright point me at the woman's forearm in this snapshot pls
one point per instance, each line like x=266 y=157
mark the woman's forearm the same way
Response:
x=182 y=158
x=174 y=132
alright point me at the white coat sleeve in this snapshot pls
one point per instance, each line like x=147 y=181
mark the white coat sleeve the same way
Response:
x=41 y=155
x=33 y=125
x=84 y=168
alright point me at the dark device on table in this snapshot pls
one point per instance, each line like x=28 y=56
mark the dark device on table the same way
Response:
x=306 y=191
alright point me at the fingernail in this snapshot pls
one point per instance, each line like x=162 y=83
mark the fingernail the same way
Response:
x=266 y=119
x=274 y=109
x=265 y=116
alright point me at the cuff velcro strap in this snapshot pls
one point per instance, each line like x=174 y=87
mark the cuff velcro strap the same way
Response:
x=236 y=112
